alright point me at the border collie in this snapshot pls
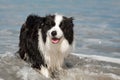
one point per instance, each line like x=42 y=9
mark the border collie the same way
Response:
x=46 y=41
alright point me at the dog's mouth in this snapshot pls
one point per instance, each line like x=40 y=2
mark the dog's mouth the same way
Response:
x=55 y=40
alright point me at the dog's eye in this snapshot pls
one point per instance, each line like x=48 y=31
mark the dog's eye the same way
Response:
x=52 y=23
x=62 y=25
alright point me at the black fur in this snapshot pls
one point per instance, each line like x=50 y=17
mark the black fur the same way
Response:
x=29 y=41
x=28 y=46
x=67 y=28
x=48 y=24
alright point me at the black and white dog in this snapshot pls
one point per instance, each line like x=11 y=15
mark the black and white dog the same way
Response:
x=45 y=41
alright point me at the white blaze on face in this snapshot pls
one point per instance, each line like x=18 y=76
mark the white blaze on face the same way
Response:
x=59 y=34
x=58 y=19
x=56 y=46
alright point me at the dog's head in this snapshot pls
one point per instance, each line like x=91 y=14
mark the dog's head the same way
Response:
x=56 y=27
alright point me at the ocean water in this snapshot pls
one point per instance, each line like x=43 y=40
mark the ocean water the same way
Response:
x=96 y=28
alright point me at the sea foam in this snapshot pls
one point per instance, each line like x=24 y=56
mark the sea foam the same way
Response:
x=78 y=67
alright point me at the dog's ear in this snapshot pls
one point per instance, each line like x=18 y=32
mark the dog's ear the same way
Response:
x=70 y=20
x=32 y=20
x=49 y=20
x=43 y=20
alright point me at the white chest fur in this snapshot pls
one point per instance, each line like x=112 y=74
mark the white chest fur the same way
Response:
x=54 y=54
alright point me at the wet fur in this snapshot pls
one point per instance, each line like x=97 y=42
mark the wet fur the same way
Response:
x=35 y=46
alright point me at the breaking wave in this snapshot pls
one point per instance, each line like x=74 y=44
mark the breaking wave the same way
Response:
x=79 y=67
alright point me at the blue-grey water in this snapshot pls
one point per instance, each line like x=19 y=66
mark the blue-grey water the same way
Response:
x=97 y=23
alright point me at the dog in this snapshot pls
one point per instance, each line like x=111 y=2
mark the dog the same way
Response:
x=45 y=41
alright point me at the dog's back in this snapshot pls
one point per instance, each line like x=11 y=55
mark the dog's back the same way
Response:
x=28 y=46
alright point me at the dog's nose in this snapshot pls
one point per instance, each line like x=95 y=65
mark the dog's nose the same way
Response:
x=54 y=33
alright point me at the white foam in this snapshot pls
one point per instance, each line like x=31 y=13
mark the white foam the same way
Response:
x=1 y=79
x=113 y=76
x=27 y=73
x=100 y=58
x=23 y=71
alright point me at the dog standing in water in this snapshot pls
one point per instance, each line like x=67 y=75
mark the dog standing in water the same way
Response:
x=46 y=41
